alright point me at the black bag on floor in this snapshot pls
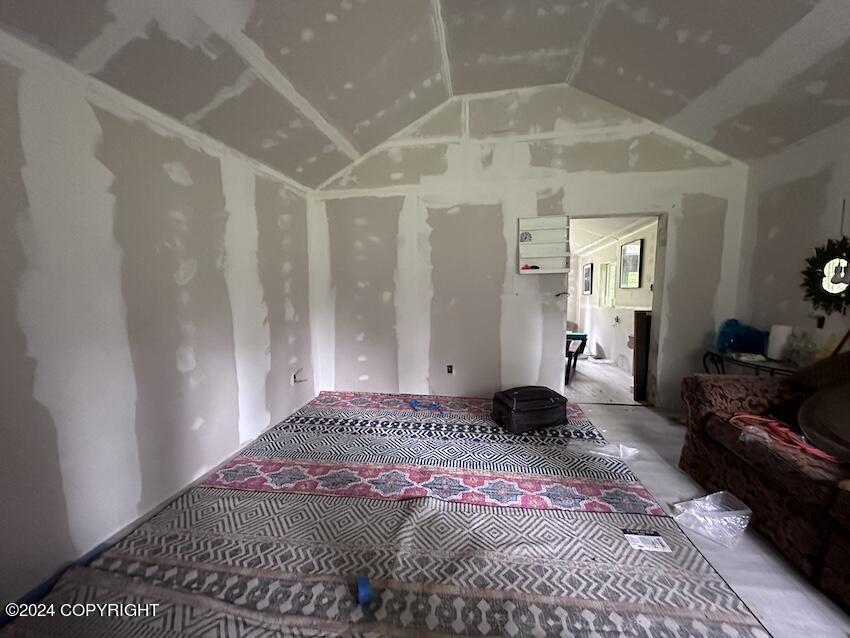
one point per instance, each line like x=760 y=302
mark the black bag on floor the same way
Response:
x=528 y=408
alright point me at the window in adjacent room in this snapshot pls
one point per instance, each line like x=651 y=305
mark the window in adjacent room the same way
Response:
x=608 y=284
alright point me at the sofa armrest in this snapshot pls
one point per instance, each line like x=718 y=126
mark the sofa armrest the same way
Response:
x=727 y=395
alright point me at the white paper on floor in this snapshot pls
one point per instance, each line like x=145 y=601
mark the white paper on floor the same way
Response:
x=610 y=450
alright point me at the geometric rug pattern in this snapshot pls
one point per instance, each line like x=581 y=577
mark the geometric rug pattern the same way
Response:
x=281 y=564
x=255 y=562
x=372 y=446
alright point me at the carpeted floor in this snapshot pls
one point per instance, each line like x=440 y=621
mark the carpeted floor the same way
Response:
x=515 y=536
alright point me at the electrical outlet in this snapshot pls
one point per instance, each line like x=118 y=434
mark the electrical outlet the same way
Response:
x=450 y=369
x=293 y=378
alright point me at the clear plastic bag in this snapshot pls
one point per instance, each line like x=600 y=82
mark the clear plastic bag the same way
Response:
x=719 y=516
x=754 y=433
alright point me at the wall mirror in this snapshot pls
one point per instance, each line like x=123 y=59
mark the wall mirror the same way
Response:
x=826 y=279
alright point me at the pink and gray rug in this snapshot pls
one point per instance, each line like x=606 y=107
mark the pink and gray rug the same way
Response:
x=463 y=529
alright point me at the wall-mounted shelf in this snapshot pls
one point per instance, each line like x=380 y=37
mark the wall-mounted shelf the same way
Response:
x=544 y=245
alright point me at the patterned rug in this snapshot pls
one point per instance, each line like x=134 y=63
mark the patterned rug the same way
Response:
x=520 y=536
x=258 y=564
x=380 y=447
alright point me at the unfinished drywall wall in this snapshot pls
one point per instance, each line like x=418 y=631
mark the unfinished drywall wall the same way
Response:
x=282 y=228
x=172 y=238
x=468 y=268
x=653 y=172
x=250 y=314
x=694 y=275
x=131 y=373
x=553 y=301
x=795 y=207
x=35 y=539
x=364 y=259
x=71 y=310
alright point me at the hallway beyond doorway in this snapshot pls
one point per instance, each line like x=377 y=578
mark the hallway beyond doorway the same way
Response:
x=600 y=381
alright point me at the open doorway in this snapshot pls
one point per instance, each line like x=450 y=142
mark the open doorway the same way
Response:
x=611 y=285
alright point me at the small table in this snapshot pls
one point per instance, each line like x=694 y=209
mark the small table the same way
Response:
x=718 y=360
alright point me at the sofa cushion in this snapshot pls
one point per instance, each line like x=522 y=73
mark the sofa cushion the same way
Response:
x=800 y=531
x=806 y=478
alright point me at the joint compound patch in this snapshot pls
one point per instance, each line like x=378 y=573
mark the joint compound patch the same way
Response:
x=178 y=173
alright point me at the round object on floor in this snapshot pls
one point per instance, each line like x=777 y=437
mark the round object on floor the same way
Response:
x=824 y=420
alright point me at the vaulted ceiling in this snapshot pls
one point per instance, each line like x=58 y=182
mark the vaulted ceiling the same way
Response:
x=307 y=86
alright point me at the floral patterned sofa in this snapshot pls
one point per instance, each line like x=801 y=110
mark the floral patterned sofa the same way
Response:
x=800 y=502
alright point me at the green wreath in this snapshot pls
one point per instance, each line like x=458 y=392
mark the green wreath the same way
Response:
x=814 y=275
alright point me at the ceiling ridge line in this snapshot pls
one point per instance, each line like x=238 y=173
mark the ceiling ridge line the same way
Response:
x=385 y=144
x=624 y=130
x=254 y=56
x=682 y=178
x=29 y=59
x=407 y=129
x=440 y=26
x=578 y=60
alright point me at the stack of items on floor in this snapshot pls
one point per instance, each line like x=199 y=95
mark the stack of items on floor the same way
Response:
x=743 y=437
x=463 y=529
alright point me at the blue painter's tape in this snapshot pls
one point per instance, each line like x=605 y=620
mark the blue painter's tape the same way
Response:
x=364 y=589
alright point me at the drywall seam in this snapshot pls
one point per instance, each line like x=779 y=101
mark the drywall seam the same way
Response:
x=413 y=293
x=131 y=20
x=415 y=141
x=464 y=123
x=440 y=28
x=322 y=306
x=578 y=59
x=345 y=170
x=574 y=135
x=178 y=20
x=735 y=262
x=498 y=92
x=521 y=326
x=711 y=178
x=227 y=93
x=804 y=158
x=72 y=311
x=251 y=335
x=28 y=58
x=415 y=123
x=819 y=32
x=254 y=56
x=708 y=151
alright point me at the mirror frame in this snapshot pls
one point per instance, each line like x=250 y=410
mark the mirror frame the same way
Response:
x=813 y=275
